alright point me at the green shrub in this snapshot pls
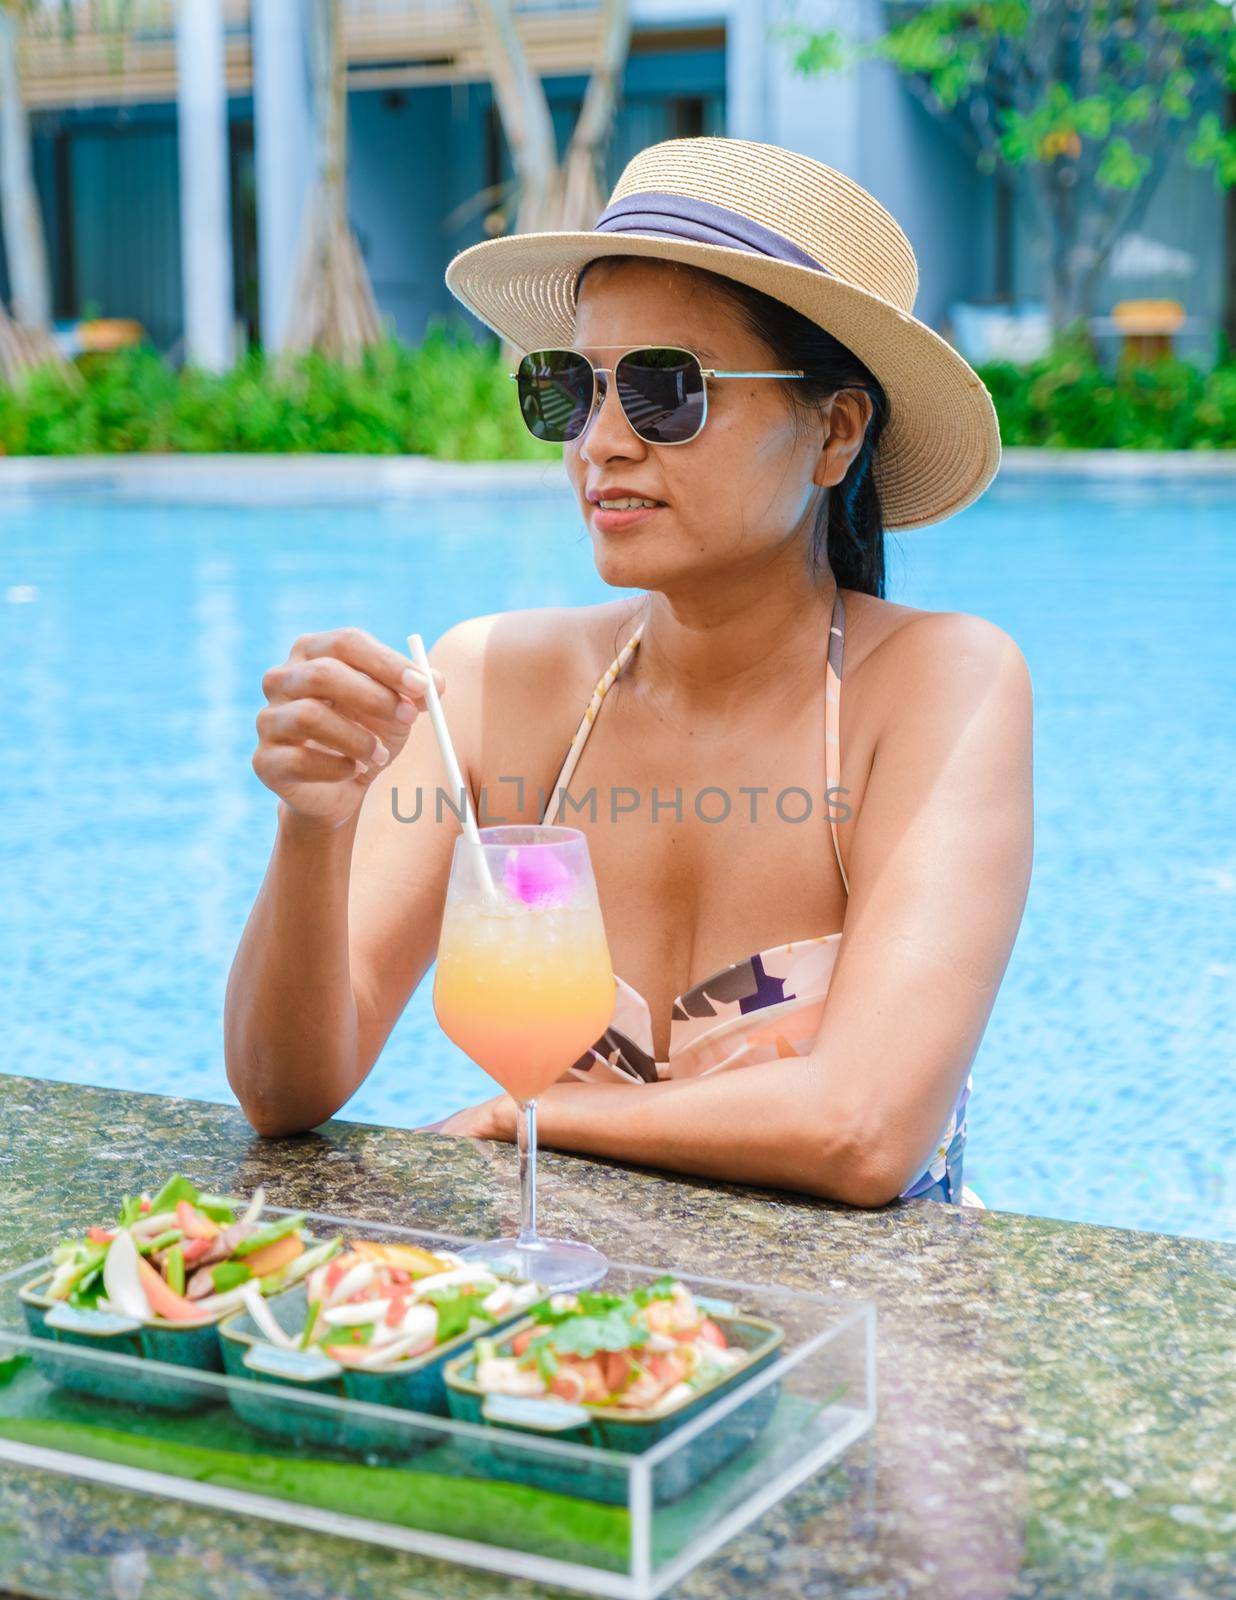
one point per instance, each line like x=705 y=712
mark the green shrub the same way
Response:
x=450 y=397
x=1067 y=401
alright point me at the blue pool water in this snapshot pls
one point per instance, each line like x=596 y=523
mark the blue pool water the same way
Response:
x=134 y=833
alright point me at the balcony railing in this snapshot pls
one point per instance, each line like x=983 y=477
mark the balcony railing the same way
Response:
x=389 y=44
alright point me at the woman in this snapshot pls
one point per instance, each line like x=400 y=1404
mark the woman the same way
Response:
x=772 y=757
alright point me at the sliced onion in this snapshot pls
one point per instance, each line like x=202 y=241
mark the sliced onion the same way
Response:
x=122 y=1280
x=353 y=1281
x=355 y=1316
x=147 y=1228
x=254 y=1209
x=215 y=1304
x=443 y=1280
x=264 y=1317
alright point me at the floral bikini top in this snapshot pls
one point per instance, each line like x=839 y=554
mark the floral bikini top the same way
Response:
x=763 y=1008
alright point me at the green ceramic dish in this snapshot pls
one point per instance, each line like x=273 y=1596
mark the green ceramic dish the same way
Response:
x=194 y=1345
x=616 y=1428
x=415 y=1385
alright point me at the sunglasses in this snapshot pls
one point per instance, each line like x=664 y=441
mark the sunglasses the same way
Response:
x=661 y=389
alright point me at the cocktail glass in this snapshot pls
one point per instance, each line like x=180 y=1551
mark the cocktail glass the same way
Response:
x=524 y=985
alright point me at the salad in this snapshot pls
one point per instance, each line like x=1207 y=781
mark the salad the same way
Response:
x=378 y=1304
x=182 y=1256
x=648 y=1350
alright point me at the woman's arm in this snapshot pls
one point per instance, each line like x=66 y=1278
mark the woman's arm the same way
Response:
x=346 y=923
x=939 y=863
x=346 y=920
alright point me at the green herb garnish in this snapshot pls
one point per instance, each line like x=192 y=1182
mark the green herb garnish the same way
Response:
x=173 y=1191
x=229 y=1275
x=598 y=1321
x=455 y=1313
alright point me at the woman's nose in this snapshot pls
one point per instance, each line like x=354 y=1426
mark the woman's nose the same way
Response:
x=608 y=432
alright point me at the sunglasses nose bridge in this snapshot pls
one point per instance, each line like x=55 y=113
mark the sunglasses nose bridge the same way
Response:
x=601 y=387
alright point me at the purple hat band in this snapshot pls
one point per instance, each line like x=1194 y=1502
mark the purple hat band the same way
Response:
x=680 y=216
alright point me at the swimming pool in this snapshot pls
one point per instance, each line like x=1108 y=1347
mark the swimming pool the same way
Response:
x=135 y=834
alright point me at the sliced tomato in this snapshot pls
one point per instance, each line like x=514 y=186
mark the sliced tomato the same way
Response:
x=99 y=1236
x=348 y=1355
x=193 y=1223
x=568 y=1384
x=710 y=1334
x=164 y=1301
x=334 y=1274
x=395 y=1311
x=521 y=1341
x=618 y=1368
x=273 y=1256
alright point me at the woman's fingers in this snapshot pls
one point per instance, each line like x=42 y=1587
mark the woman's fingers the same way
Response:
x=352 y=692
x=294 y=721
x=279 y=764
x=368 y=655
x=337 y=710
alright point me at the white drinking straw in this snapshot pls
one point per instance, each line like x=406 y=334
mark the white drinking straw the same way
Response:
x=417 y=646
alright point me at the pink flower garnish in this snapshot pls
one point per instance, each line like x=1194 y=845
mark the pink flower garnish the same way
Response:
x=537 y=876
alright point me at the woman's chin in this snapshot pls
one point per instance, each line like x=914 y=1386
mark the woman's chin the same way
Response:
x=623 y=564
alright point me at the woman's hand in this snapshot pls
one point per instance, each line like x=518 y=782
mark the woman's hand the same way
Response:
x=492 y=1119
x=338 y=710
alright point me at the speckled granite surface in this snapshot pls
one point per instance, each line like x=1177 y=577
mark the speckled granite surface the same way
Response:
x=1057 y=1402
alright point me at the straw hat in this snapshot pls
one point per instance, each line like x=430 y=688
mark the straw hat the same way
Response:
x=800 y=232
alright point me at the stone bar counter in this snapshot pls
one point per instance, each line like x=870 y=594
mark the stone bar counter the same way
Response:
x=1056 y=1401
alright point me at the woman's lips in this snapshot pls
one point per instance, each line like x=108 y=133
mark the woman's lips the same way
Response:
x=617 y=521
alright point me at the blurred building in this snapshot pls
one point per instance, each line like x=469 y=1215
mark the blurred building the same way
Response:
x=426 y=150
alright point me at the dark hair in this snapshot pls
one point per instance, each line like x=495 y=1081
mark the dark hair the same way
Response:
x=849 y=534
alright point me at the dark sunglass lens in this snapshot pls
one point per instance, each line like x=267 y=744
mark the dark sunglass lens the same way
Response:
x=662 y=393
x=555 y=394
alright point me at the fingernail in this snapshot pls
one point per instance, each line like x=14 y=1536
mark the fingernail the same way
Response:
x=405 y=711
x=381 y=755
x=412 y=679
x=361 y=767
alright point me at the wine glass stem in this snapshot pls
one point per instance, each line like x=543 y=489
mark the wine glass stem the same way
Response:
x=526 y=1134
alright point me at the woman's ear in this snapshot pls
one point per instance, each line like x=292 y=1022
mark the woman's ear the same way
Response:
x=849 y=412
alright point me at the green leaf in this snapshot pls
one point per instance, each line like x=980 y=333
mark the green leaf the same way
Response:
x=456 y=1311
x=173 y=1191
x=1121 y=166
x=219 y=1208
x=174 y=1269
x=229 y=1275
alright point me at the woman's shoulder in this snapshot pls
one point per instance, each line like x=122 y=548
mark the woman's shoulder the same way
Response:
x=912 y=661
x=885 y=633
x=517 y=682
x=539 y=644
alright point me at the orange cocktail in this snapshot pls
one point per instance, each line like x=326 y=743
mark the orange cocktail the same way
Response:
x=524 y=992
x=524 y=985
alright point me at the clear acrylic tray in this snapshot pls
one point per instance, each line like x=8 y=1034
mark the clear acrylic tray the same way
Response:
x=495 y=1497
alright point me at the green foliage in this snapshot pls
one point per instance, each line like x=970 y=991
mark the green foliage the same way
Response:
x=447 y=397
x=450 y=398
x=1067 y=400
x=1030 y=90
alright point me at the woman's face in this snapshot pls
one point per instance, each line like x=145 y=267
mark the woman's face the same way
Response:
x=745 y=491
